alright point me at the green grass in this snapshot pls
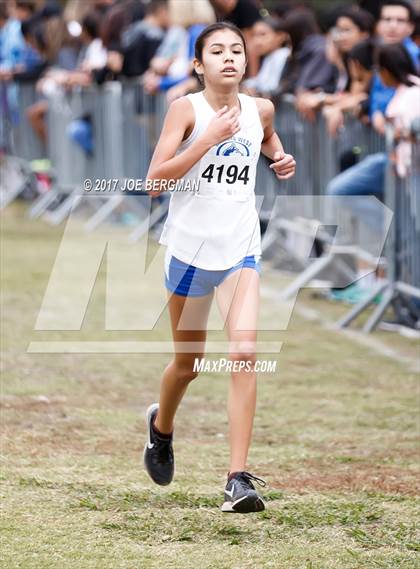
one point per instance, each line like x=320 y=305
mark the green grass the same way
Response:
x=335 y=436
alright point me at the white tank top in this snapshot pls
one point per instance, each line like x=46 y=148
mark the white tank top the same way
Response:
x=218 y=226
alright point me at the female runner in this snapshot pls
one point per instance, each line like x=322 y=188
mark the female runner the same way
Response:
x=213 y=241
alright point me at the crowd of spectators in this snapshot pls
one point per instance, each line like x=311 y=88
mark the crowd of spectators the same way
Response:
x=330 y=63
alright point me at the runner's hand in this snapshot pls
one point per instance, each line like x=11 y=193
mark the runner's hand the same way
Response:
x=223 y=125
x=284 y=165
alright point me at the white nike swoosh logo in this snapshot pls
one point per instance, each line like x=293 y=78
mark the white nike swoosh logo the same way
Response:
x=150 y=445
x=230 y=492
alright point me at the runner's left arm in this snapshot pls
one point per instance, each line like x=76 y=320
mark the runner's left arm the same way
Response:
x=284 y=165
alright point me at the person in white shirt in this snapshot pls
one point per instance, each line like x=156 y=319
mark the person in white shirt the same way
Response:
x=213 y=137
x=269 y=43
x=404 y=107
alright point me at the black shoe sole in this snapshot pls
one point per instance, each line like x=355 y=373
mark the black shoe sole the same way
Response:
x=245 y=505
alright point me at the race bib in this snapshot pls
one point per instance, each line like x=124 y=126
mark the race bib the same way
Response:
x=226 y=177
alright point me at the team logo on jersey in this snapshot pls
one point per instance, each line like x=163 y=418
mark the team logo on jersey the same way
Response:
x=232 y=147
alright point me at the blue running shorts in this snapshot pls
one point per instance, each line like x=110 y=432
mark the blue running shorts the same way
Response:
x=187 y=280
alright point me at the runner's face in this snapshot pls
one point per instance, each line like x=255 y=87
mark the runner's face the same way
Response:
x=223 y=59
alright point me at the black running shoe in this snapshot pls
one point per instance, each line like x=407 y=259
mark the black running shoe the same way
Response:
x=158 y=453
x=241 y=496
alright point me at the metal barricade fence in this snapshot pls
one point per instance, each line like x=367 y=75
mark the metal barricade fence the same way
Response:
x=126 y=125
x=113 y=131
x=17 y=136
x=70 y=164
x=407 y=254
x=298 y=138
x=318 y=156
x=354 y=140
x=18 y=142
x=402 y=285
x=120 y=118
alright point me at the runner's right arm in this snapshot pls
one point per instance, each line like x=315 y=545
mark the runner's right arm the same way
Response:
x=164 y=164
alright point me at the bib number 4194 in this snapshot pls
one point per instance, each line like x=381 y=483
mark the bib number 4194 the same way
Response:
x=226 y=174
x=226 y=178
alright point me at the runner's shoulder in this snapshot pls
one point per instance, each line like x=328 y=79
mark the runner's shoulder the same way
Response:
x=181 y=105
x=182 y=111
x=266 y=109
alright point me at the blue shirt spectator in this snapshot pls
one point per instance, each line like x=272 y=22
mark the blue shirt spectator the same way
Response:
x=12 y=44
x=14 y=51
x=379 y=96
x=413 y=50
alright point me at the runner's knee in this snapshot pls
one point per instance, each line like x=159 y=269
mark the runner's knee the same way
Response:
x=185 y=371
x=243 y=351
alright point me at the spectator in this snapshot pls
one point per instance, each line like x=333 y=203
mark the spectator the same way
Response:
x=367 y=177
x=396 y=70
x=136 y=46
x=396 y=24
x=46 y=34
x=139 y=43
x=119 y=16
x=308 y=68
x=361 y=69
x=15 y=53
x=59 y=27
x=269 y=43
x=42 y=33
x=352 y=25
x=244 y=14
x=361 y=65
x=35 y=37
x=171 y=68
x=92 y=56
